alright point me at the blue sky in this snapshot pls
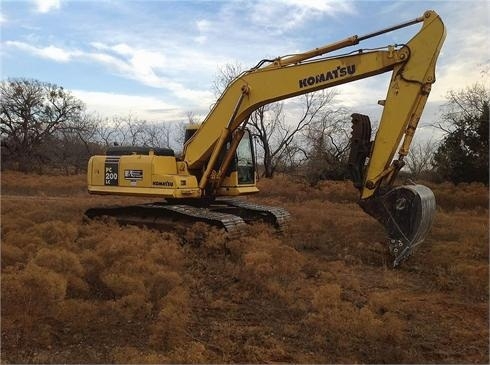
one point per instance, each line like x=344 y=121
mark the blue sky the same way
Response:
x=158 y=59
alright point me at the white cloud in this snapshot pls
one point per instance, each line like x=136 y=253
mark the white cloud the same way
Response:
x=203 y=25
x=363 y=93
x=45 y=6
x=463 y=55
x=145 y=107
x=151 y=69
x=323 y=6
x=49 y=52
x=114 y=64
x=202 y=98
x=56 y=53
x=123 y=49
x=136 y=63
x=292 y=13
x=145 y=66
x=201 y=39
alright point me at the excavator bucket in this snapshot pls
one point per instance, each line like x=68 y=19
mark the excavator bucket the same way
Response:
x=407 y=213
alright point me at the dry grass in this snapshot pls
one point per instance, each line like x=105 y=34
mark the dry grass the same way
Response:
x=324 y=292
x=18 y=183
x=465 y=196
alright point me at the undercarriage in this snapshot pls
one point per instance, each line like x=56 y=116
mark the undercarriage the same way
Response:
x=233 y=215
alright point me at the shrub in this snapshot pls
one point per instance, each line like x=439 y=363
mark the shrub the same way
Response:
x=55 y=232
x=59 y=260
x=334 y=319
x=322 y=292
x=30 y=299
x=12 y=255
x=169 y=329
x=66 y=264
x=122 y=284
x=131 y=355
x=132 y=307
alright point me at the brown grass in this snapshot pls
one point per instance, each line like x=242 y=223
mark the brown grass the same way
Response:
x=324 y=292
x=465 y=196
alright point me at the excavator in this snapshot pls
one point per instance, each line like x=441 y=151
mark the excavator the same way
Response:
x=218 y=160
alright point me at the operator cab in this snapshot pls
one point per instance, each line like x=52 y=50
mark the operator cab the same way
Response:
x=240 y=178
x=245 y=160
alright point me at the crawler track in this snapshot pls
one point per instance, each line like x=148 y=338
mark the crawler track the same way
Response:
x=277 y=216
x=229 y=214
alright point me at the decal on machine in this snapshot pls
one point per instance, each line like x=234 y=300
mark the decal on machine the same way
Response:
x=133 y=175
x=167 y=184
x=111 y=171
x=329 y=75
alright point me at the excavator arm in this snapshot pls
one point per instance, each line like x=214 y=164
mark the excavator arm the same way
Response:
x=406 y=98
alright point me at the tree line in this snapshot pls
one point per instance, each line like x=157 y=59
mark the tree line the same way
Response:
x=44 y=127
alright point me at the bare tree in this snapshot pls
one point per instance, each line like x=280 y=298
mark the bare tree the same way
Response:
x=463 y=104
x=157 y=134
x=73 y=147
x=132 y=130
x=105 y=131
x=32 y=113
x=420 y=159
x=328 y=141
x=226 y=74
x=277 y=136
x=274 y=127
x=122 y=130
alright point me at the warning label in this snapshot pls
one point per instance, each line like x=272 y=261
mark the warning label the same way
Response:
x=133 y=174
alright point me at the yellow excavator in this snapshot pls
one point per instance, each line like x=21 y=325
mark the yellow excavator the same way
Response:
x=218 y=163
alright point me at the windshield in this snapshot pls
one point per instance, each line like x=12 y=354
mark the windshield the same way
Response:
x=245 y=160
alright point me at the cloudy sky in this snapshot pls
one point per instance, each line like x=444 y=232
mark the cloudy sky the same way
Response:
x=158 y=59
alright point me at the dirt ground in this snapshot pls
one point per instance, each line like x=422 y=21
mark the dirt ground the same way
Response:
x=323 y=292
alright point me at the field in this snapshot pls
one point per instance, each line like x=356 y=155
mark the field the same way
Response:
x=324 y=292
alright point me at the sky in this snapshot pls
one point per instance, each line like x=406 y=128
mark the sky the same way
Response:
x=157 y=60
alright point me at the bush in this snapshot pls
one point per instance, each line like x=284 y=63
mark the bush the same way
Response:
x=321 y=292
